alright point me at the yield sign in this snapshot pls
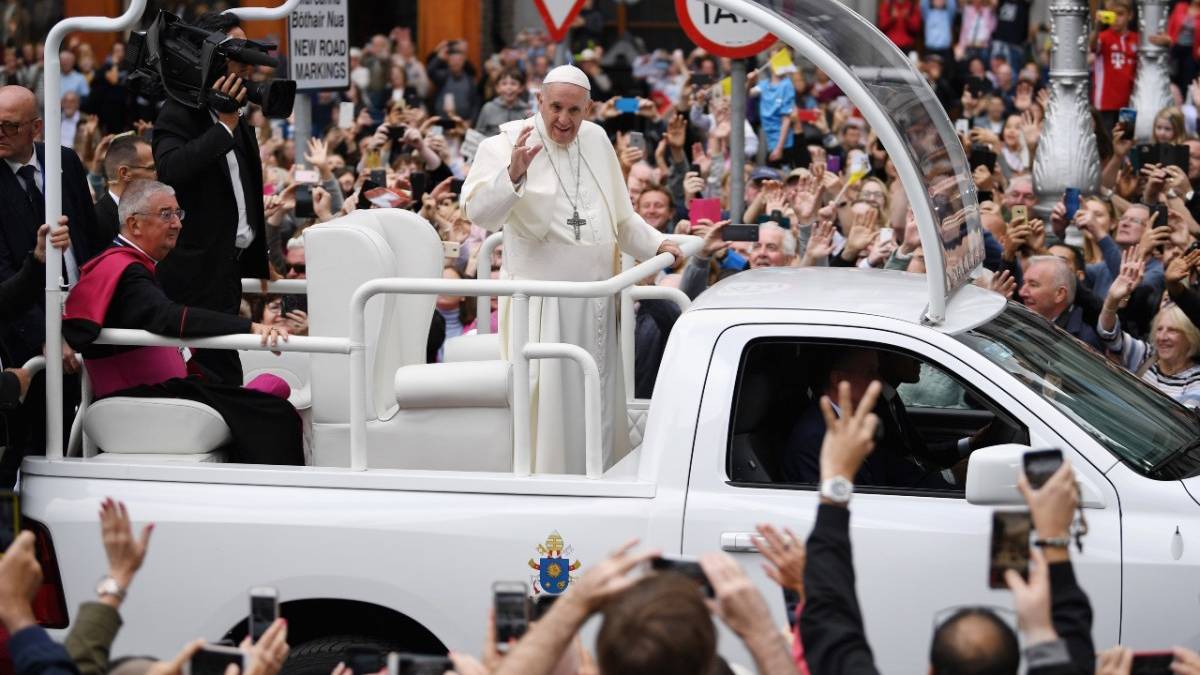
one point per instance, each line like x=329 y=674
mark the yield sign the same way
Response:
x=558 y=15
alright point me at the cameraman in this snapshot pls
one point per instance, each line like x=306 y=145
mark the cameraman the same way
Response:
x=211 y=158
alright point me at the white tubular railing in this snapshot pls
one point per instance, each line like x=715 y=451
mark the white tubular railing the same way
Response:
x=592 y=450
x=264 y=13
x=280 y=287
x=246 y=342
x=674 y=295
x=520 y=291
x=483 y=270
x=52 y=182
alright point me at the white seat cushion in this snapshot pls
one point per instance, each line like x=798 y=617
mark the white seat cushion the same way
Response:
x=473 y=347
x=154 y=426
x=469 y=384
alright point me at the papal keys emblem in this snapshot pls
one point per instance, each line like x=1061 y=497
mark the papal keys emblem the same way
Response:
x=554 y=567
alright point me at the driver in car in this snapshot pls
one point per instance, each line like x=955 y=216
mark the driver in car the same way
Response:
x=903 y=458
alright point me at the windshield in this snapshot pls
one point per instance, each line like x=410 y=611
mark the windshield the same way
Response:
x=1144 y=428
x=915 y=114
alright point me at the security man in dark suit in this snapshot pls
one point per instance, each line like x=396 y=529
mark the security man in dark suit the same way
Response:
x=211 y=159
x=22 y=186
x=129 y=158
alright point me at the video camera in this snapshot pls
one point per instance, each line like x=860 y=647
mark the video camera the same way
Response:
x=172 y=58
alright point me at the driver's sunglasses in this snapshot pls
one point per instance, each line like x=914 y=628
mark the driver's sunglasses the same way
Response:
x=298 y=269
x=11 y=128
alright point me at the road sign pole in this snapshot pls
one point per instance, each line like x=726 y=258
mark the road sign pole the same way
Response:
x=302 y=125
x=737 y=141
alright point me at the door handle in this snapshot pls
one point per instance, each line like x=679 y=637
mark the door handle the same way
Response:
x=738 y=542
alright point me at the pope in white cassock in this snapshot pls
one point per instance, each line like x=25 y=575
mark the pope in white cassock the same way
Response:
x=554 y=184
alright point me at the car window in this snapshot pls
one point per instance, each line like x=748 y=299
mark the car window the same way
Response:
x=1144 y=428
x=776 y=426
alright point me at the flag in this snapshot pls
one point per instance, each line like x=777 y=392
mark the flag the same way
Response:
x=781 y=62
x=727 y=86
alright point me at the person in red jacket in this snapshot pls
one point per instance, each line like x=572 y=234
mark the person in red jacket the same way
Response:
x=1114 y=63
x=1184 y=30
x=900 y=20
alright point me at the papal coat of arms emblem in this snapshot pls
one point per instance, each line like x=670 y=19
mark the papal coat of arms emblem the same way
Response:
x=554 y=566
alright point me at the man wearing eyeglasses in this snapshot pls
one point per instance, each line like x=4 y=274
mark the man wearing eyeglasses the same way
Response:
x=129 y=158
x=211 y=158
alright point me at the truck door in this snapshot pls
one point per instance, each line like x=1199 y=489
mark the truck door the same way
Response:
x=918 y=551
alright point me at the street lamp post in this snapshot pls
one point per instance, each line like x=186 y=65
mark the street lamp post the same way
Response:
x=1066 y=152
x=1152 y=88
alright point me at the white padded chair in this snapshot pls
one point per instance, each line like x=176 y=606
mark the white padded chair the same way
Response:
x=129 y=429
x=473 y=347
x=418 y=429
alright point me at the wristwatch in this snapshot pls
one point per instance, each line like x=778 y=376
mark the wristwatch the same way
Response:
x=837 y=489
x=109 y=586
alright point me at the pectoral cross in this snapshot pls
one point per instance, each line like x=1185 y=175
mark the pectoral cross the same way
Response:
x=576 y=222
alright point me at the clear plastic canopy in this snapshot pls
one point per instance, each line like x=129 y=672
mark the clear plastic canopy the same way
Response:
x=899 y=105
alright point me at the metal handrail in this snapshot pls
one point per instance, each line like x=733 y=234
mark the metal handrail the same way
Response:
x=483 y=271
x=244 y=342
x=672 y=295
x=593 y=452
x=263 y=13
x=277 y=287
x=52 y=182
x=520 y=290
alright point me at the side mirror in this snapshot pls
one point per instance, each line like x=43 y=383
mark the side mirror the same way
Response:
x=992 y=478
x=992 y=475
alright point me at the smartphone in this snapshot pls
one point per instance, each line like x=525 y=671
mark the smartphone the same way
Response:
x=364 y=660
x=214 y=659
x=308 y=176
x=739 y=233
x=1160 y=213
x=978 y=86
x=456 y=186
x=688 y=567
x=637 y=139
x=541 y=605
x=396 y=132
x=511 y=602
x=276 y=133
x=1152 y=663
x=437 y=130
x=378 y=177
x=403 y=663
x=627 y=104
x=701 y=80
x=1147 y=154
x=833 y=163
x=1175 y=154
x=419 y=182
x=704 y=209
x=1127 y=117
x=962 y=125
x=1010 y=546
x=886 y=234
x=10 y=518
x=1020 y=212
x=346 y=115
x=808 y=115
x=1040 y=465
x=1106 y=17
x=983 y=196
x=451 y=249
x=264 y=609
x=304 y=202
x=982 y=156
x=1071 y=201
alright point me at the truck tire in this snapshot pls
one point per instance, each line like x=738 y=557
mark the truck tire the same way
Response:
x=319 y=656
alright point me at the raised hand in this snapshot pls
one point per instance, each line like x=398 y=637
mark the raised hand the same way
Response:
x=805 y=199
x=676 y=132
x=1032 y=600
x=609 y=578
x=820 y=244
x=125 y=553
x=786 y=556
x=1133 y=264
x=60 y=239
x=1180 y=269
x=1003 y=283
x=522 y=156
x=318 y=157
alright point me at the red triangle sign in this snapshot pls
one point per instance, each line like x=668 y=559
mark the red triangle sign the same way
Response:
x=558 y=15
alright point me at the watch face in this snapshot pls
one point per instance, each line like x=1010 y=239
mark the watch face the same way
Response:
x=838 y=489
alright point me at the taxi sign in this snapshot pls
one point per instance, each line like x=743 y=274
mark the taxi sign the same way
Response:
x=720 y=31
x=558 y=15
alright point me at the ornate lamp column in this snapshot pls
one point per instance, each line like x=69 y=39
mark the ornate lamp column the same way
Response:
x=1152 y=88
x=1066 y=153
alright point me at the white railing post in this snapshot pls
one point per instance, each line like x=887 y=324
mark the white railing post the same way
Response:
x=593 y=450
x=626 y=324
x=522 y=436
x=52 y=184
x=264 y=13
x=358 y=378
x=483 y=271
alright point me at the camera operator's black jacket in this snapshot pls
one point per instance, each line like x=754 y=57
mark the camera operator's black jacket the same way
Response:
x=189 y=151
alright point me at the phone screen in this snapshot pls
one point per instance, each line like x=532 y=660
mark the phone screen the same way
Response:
x=418 y=180
x=688 y=567
x=637 y=140
x=1071 y=201
x=962 y=125
x=1128 y=117
x=379 y=177
x=627 y=104
x=1040 y=465
x=739 y=233
x=214 y=660
x=1010 y=546
x=264 y=609
x=456 y=186
x=1152 y=663
x=346 y=115
x=304 y=202
x=511 y=602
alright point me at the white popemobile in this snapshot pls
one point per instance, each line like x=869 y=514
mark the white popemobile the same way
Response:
x=419 y=494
